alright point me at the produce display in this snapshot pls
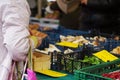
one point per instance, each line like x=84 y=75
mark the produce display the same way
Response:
x=104 y=71
x=38 y=33
x=51 y=48
x=70 y=59
x=82 y=40
x=70 y=64
x=92 y=60
x=113 y=75
x=84 y=57
x=33 y=26
x=116 y=50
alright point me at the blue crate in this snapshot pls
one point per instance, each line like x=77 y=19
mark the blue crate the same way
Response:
x=65 y=32
x=44 y=44
x=111 y=44
x=53 y=37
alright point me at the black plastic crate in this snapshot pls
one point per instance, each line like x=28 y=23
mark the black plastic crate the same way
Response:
x=65 y=62
x=71 y=61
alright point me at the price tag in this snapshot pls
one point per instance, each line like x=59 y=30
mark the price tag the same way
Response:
x=68 y=44
x=105 y=56
x=52 y=73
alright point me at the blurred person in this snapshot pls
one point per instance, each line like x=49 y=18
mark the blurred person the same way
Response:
x=102 y=15
x=15 y=39
x=57 y=10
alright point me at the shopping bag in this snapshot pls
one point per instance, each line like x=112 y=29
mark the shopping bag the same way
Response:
x=18 y=70
x=30 y=75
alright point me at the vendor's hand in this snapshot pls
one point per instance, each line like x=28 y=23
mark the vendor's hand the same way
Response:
x=84 y=2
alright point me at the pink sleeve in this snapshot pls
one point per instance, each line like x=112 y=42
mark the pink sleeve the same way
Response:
x=15 y=28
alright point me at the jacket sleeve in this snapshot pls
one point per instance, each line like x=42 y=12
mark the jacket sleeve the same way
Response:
x=103 y=4
x=15 y=20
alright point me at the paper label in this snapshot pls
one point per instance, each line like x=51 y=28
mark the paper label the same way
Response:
x=105 y=56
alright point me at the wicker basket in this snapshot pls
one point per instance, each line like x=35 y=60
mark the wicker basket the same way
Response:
x=41 y=61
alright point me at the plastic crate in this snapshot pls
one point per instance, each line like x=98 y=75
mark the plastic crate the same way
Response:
x=95 y=72
x=70 y=61
x=65 y=32
x=54 y=35
x=110 y=44
x=73 y=32
x=65 y=62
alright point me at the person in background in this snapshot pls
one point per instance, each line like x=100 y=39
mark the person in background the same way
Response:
x=102 y=15
x=15 y=39
x=67 y=19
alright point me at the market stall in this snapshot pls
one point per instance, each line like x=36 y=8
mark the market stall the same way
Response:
x=80 y=56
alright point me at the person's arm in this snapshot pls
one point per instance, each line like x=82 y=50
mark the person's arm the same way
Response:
x=100 y=4
x=15 y=18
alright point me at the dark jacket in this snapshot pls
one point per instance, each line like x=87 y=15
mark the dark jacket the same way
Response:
x=70 y=20
x=103 y=15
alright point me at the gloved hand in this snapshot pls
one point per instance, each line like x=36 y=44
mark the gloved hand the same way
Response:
x=40 y=36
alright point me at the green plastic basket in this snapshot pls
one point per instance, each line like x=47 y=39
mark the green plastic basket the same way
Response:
x=95 y=72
